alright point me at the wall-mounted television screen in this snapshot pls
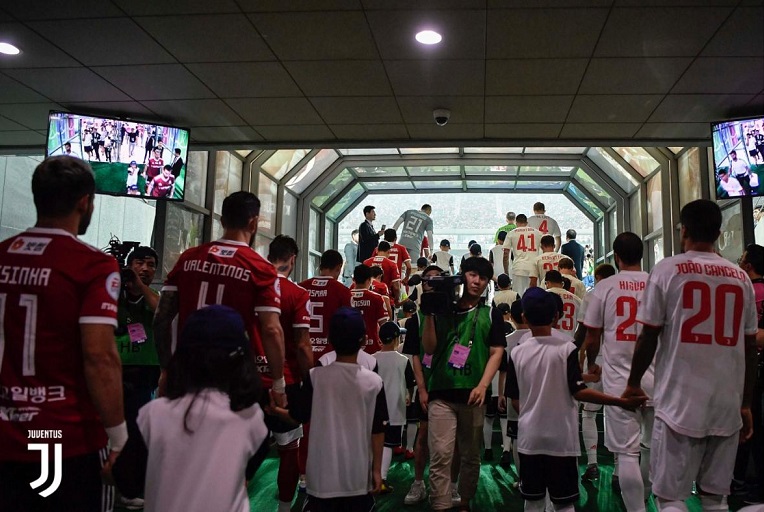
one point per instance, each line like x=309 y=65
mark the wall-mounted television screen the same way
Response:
x=738 y=157
x=128 y=158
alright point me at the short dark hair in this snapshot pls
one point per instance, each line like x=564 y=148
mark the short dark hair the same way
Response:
x=141 y=253
x=702 y=220
x=354 y=232
x=330 y=259
x=571 y=233
x=502 y=236
x=521 y=218
x=177 y=151
x=628 y=247
x=476 y=250
x=503 y=281
x=377 y=271
x=539 y=206
x=390 y=235
x=547 y=241
x=367 y=209
x=361 y=274
x=754 y=254
x=553 y=276
x=282 y=248
x=604 y=270
x=516 y=311
x=383 y=246
x=481 y=266
x=238 y=209
x=422 y=262
x=566 y=263
x=426 y=207
x=58 y=183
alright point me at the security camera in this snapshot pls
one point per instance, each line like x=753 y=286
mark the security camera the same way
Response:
x=441 y=116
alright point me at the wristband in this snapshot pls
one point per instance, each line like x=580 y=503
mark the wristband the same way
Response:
x=117 y=437
x=279 y=385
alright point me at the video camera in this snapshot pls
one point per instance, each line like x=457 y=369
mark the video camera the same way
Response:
x=120 y=251
x=442 y=299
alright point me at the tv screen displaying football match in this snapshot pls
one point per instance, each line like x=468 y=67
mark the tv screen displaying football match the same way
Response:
x=129 y=158
x=738 y=157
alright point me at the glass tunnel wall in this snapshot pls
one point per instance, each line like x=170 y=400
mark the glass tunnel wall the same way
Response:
x=315 y=195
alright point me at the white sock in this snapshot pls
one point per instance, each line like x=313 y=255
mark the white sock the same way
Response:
x=285 y=506
x=534 y=506
x=713 y=502
x=630 y=478
x=516 y=456
x=589 y=433
x=387 y=458
x=548 y=507
x=644 y=466
x=487 y=432
x=411 y=431
x=504 y=437
x=564 y=508
x=670 y=506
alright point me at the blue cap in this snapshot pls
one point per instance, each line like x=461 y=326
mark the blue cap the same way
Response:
x=346 y=328
x=539 y=306
x=214 y=326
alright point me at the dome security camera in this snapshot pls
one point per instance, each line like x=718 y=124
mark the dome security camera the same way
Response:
x=441 y=116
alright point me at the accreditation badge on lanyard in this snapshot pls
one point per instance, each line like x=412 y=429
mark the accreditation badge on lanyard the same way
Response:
x=460 y=353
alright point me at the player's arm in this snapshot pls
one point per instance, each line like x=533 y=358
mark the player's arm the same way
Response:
x=591 y=347
x=166 y=311
x=388 y=309
x=497 y=342
x=396 y=290
x=304 y=350
x=431 y=248
x=505 y=261
x=273 y=345
x=644 y=352
x=421 y=385
x=378 y=426
x=502 y=385
x=103 y=375
x=557 y=243
x=398 y=222
x=407 y=271
x=511 y=387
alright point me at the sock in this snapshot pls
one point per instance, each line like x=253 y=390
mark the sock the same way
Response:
x=564 y=508
x=387 y=458
x=534 y=506
x=288 y=473
x=632 y=487
x=505 y=442
x=589 y=431
x=670 y=506
x=644 y=466
x=285 y=506
x=516 y=456
x=302 y=458
x=713 y=502
x=487 y=432
x=411 y=432
x=548 y=507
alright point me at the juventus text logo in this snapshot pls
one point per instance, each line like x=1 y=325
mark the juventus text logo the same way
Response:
x=45 y=467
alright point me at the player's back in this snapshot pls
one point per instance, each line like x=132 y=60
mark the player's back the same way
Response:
x=524 y=243
x=50 y=283
x=415 y=224
x=577 y=287
x=372 y=307
x=545 y=262
x=294 y=315
x=327 y=295
x=707 y=305
x=545 y=224
x=570 y=308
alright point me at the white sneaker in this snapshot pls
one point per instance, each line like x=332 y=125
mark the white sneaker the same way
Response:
x=416 y=494
x=131 y=503
x=302 y=484
x=456 y=500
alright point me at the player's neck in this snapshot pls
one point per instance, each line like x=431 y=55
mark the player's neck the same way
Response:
x=630 y=268
x=352 y=358
x=692 y=245
x=387 y=347
x=237 y=235
x=69 y=224
x=541 y=330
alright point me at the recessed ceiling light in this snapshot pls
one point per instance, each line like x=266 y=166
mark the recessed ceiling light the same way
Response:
x=9 y=49
x=429 y=37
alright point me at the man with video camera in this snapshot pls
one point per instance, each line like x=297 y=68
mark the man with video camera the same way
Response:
x=466 y=340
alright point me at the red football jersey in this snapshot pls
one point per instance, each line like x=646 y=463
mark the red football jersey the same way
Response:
x=327 y=295
x=154 y=168
x=372 y=306
x=162 y=187
x=391 y=273
x=229 y=273
x=398 y=254
x=50 y=283
x=295 y=305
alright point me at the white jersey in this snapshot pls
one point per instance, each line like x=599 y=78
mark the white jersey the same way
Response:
x=541 y=366
x=513 y=340
x=612 y=307
x=444 y=260
x=545 y=224
x=132 y=178
x=545 y=262
x=705 y=305
x=506 y=296
x=392 y=369
x=571 y=305
x=524 y=243
x=732 y=186
x=496 y=256
x=577 y=287
x=738 y=168
x=364 y=359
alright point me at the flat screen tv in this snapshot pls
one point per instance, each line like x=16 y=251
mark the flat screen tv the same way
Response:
x=738 y=157
x=129 y=158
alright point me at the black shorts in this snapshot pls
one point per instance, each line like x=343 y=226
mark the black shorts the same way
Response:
x=558 y=475
x=274 y=423
x=393 y=436
x=81 y=488
x=363 y=503
x=753 y=152
x=512 y=429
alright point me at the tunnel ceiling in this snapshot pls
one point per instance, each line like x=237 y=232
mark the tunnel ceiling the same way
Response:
x=271 y=73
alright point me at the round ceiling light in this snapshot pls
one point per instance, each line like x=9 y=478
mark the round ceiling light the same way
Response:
x=429 y=37
x=9 y=49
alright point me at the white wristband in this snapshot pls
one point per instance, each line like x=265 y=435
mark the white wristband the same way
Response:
x=279 y=385
x=117 y=437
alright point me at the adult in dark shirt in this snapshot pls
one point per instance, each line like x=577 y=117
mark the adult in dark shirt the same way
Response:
x=368 y=237
x=574 y=251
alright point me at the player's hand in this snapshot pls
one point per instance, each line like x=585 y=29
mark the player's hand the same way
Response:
x=106 y=474
x=632 y=391
x=477 y=396
x=747 y=431
x=162 y=384
x=633 y=402
x=276 y=410
x=502 y=404
x=424 y=399
x=279 y=399
x=595 y=369
x=376 y=480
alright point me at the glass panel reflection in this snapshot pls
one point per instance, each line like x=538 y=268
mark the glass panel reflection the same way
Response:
x=438 y=184
x=654 y=204
x=542 y=185
x=613 y=169
x=266 y=192
x=690 y=188
x=282 y=161
x=584 y=201
x=657 y=244
x=388 y=185
x=452 y=170
x=636 y=215
x=339 y=182
x=593 y=187
x=639 y=159
x=546 y=170
x=317 y=165
x=289 y=215
x=313 y=231
x=507 y=184
x=345 y=201
x=730 y=242
x=490 y=170
x=362 y=172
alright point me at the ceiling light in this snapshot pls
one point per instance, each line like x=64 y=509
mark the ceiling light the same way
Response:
x=9 y=49
x=429 y=37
